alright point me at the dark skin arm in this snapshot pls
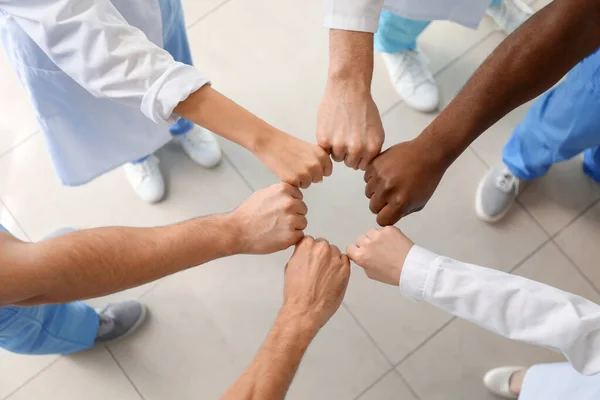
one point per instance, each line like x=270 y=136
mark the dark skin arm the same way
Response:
x=536 y=56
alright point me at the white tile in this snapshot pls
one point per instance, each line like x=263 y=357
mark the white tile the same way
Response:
x=555 y=199
x=580 y=242
x=17 y=119
x=16 y=370
x=283 y=82
x=559 y=197
x=91 y=375
x=10 y=224
x=338 y=210
x=196 y=9
x=43 y=205
x=391 y=387
x=207 y=324
x=451 y=365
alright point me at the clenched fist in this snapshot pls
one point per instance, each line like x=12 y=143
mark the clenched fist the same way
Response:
x=349 y=126
x=316 y=278
x=381 y=253
x=270 y=220
x=295 y=161
x=401 y=180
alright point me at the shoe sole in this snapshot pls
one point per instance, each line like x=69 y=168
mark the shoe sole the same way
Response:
x=133 y=329
x=479 y=208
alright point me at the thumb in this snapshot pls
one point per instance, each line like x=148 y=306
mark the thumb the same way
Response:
x=353 y=253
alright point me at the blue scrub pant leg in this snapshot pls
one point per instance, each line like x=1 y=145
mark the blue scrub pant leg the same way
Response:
x=562 y=123
x=397 y=33
x=48 y=329
x=175 y=41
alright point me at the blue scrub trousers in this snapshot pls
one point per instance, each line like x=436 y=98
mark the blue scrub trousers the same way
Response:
x=175 y=41
x=562 y=123
x=48 y=329
x=397 y=33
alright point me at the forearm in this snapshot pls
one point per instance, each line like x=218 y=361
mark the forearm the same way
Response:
x=351 y=59
x=271 y=372
x=526 y=64
x=216 y=112
x=96 y=262
x=509 y=305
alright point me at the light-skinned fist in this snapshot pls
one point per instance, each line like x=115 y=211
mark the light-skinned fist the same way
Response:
x=316 y=278
x=270 y=220
x=295 y=161
x=349 y=125
x=381 y=253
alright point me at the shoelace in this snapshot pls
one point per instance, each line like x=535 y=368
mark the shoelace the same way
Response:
x=506 y=181
x=142 y=169
x=416 y=66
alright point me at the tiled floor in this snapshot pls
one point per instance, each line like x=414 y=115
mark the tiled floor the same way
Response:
x=270 y=55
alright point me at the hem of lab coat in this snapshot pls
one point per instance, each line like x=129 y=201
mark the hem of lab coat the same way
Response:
x=352 y=23
x=72 y=181
x=415 y=272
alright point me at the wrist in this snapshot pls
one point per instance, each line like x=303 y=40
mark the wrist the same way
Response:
x=234 y=234
x=439 y=152
x=305 y=323
x=351 y=58
x=262 y=138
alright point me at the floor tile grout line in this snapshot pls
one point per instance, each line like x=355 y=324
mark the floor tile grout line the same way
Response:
x=579 y=215
x=539 y=225
x=235 y=168
x=444 y=68
x=577 y=268
x=372 y=385
x=365 y=330
x=425 y=341
x=408 y=385
x=19 y=143
x=125 y=373
x=28 y=381
x=14 y=218
x=208 y=13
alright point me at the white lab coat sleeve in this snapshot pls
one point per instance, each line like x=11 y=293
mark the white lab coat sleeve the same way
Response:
x=510 y=305
x=91 y=42
x=353 y=15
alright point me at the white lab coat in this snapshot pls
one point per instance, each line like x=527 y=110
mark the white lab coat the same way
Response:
x=363 y=15
x=103 y=89
x=512 y=306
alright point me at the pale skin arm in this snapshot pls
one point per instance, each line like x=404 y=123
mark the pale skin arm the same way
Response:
x=348 y=124
x=292 y=160
x=316 y=278
x=403 y=178
x=100 y=261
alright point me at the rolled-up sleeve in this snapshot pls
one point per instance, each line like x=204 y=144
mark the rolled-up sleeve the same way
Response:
x=91 y=42
x=510 y=305
x=353 y=15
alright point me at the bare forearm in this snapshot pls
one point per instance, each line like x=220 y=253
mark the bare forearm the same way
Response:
x=526 y=64
x=351 y=58
x=100 y=261
x=272 y=370
x=214 y=111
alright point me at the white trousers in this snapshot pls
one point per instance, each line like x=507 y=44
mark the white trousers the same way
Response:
x=559 y=382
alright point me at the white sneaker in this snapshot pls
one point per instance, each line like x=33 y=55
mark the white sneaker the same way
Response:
x=146 y=179
x=497 y=381
x=509 y=14
x=412 y=79
x=202 y=146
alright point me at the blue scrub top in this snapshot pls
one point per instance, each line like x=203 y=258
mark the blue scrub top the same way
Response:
x=3 y=229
